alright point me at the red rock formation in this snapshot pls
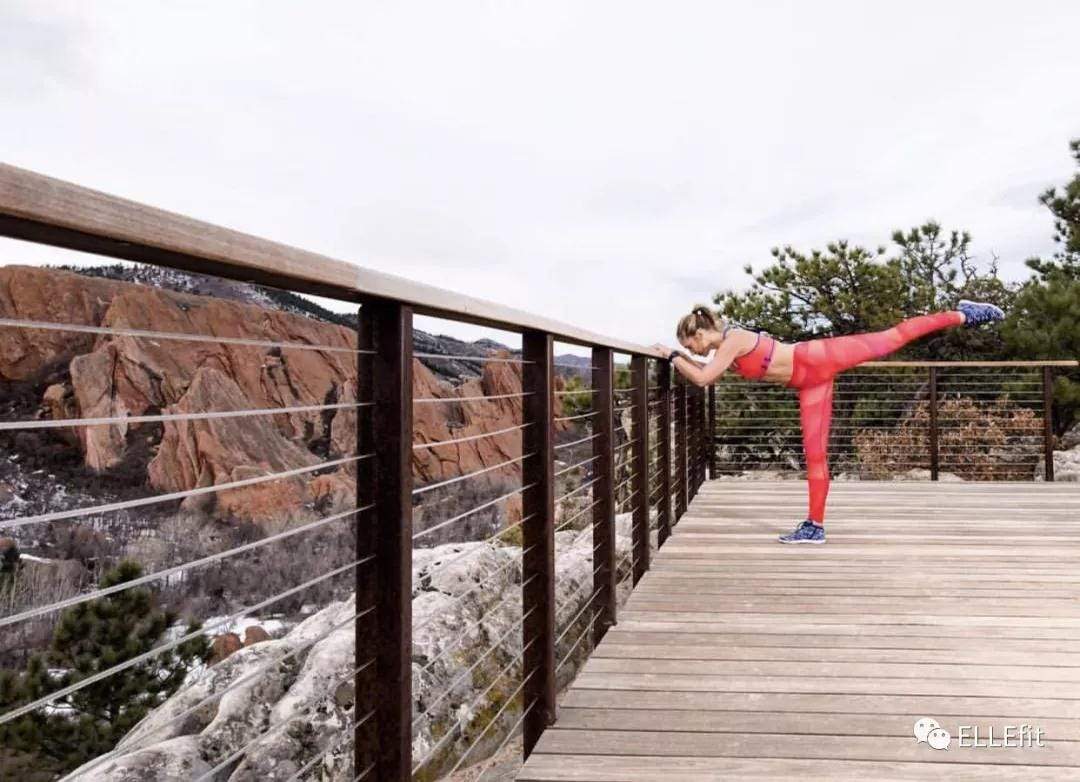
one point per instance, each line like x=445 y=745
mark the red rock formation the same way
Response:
x=117 y=376
x=208 y=452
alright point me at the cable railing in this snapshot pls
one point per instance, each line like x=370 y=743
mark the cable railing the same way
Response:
x=961 y=420
x=391 y=527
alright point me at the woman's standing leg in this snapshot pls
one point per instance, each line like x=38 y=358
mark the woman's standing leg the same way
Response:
x=815 y=414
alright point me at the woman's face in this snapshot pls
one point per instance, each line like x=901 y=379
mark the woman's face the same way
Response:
x=695 y=343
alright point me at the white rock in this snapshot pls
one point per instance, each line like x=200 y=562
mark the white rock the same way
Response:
x=176 y=760
x=466 y=601
x=1066 y=466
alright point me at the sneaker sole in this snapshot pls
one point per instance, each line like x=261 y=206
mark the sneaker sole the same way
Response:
x=798 y=542
x=996 y=309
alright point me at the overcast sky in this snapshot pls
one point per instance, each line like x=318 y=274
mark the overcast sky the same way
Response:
x=604 y=163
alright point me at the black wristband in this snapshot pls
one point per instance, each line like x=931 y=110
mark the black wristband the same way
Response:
x=673 y=355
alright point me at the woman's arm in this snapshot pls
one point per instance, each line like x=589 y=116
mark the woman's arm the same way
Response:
x=706 y=374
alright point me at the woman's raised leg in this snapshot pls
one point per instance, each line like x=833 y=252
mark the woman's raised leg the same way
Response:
x=821 y=359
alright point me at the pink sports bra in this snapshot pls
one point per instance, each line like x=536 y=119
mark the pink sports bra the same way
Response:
x=755 y=364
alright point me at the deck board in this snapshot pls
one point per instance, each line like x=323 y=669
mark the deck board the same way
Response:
x=738 y=658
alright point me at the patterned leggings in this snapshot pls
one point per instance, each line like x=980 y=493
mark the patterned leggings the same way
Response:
x=816 y=364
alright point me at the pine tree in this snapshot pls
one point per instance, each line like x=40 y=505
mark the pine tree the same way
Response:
x=1065 y=207
x=848 y=289
x=90 y=638
x=1045 y=320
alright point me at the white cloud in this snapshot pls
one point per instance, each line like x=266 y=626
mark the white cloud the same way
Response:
x=604 y=163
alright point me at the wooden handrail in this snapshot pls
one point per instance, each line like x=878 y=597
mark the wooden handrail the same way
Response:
x=51 y=211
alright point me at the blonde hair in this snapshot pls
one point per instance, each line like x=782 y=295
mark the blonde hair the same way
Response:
x=701 y=317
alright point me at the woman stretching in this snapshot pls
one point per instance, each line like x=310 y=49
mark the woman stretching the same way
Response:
x=809 y=367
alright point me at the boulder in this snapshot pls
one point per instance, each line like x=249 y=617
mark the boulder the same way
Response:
x=175 y=760
x=255 y=635
x=1066 y=466
x=224 y=645
x=1071 y=438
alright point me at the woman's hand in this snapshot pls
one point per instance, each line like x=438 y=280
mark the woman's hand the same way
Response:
x=661 y=351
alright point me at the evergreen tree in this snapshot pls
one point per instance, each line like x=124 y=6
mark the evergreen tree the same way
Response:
x=90 y=638
x=1065 y=207
x=848 y=289
x=1044 y=322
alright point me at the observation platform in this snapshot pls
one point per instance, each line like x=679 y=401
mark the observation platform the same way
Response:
x=736 y=657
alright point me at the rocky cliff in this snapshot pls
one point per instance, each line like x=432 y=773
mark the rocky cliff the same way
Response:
x=291 y=700
x=72 y=374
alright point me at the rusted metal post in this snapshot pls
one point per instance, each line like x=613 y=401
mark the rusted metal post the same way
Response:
x=934 y=435
x=639 y=381
x=538 y=535
x=712 y=432
x=680 y=450
x=664 y=455
x=384 y=689
x=1048 y=421
x=603 y=491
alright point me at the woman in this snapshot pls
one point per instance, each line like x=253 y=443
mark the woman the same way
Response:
x=809 y=367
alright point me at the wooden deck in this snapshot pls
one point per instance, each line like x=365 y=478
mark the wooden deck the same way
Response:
x=739 y=658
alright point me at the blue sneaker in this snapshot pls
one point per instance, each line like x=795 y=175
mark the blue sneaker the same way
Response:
x=976 y=313
x=806 y=532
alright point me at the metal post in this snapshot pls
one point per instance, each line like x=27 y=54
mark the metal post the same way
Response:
x=1048 y=421
x=664 y=424
x=639 y=381
x=712 y=432
x=603 y=492
x=384 y=689
x=680 y=449
x=538 y=536
x=695 y=433
x=692 y=431
x=934 y=435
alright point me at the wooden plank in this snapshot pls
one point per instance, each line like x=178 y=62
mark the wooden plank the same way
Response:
x=942 y=666
x=1024 y=623
x=752 y=624
x=839 y=605
x=1037 y=709
x=834 y=684
x=826 y=724
x=786 y=745
x=763 y=642
x=607 y=768
x=631 y=645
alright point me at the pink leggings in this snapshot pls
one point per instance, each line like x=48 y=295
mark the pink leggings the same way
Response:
x=816 y=364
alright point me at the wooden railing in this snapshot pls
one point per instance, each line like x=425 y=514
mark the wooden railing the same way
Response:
x=48 y=211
